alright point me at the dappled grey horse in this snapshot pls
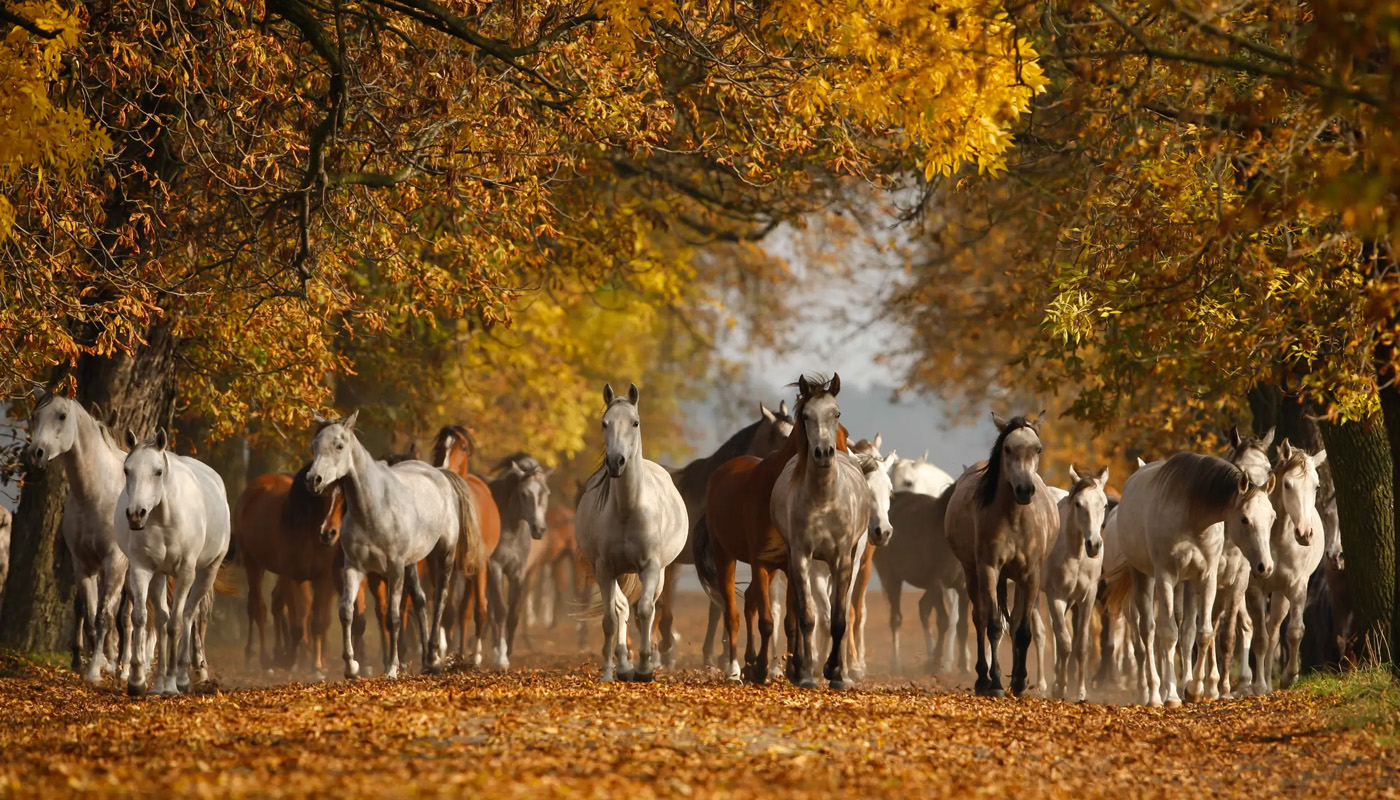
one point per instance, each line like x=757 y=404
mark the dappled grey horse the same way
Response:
x=61 y=429
x=631 y=525
x=521 y=492
x=174 y=518
x=395 y=516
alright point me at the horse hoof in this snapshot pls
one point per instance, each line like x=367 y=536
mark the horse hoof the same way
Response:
x=807 y=683
x=644 y=677
x=183 y=687
x=841 y=685
x=434 y=669
x=991 y=691
x=1173 y=703
x=136 y=689
x=626 y=675
x=169 y=691
x=755 y=675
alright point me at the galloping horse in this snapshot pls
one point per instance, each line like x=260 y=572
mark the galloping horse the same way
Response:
x=822 y=508
x=1167 y=531
x=397 y=517
x=281 y=527
x=452 y=450
x=60 y=428
x=631 y=520
x=759 y=439
x=521 y=492
x=176 y=514
x=1000 y=522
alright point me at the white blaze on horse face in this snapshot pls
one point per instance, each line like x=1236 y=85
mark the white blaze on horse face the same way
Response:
x=1248 y=525
x=448 y=442
x=622 y=436
x=819 y=419
x=146 y=469
x=1090 y=508
x=53 y=427
x=1299 y=500
x=881 y=491
x=331 y=455
x=1020 y=459
x=330 y=526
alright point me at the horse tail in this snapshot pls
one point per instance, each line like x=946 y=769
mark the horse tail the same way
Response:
x=629 y=588
x=469 y=542
x=705 y=566
x=1117 y=587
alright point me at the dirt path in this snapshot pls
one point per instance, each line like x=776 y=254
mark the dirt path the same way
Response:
x=559 y=733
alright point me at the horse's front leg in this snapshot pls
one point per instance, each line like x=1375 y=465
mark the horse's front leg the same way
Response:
x=1059 y=625
x=763 y=583
x=1167 y=633
x=653 y=584
x=138 y=586
x=990 y=620
x=607 y=587
x=800 y=590
x=725 y=567
x=894 y=588
x=350 y=579
x=837 y=669
x=1026 y=618
x=1083 y=612
x=109 y=595
x=436 y=656
x=666 y=607
x=1298 y=599
x=862 y=583
x=941 y=644
x=516 y=588
x=1205 y=636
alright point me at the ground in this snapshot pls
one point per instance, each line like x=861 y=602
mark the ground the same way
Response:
x=550 y=729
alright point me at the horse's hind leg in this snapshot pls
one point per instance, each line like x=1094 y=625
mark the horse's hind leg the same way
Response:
x=1059 y=625
x=427 y=630
x=666 y=607
x=257 y=611
x=516 y=585
x=322 y=591
x=193 y=616
x=763 y=582
x=893 y=589
x=937 y=657
x=862 y=582
x=837 y=669
x=124 y=643
x=88 y=646
x=496 y=609
x=109 y=593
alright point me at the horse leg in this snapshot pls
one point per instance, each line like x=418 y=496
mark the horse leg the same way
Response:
x=804 y=617
x=1188 y=618
x=350 y=578
x=1059 y=625
x=1298 y=600
x=1278 y=610
x=322 y=592
x=1026 y=618
x=1083 y=616
x=990 y=621
x=496 y=611
x=1167 y=633
x=124 y=642
x=257 y=612
x=90 y=647
x=109 y=589
x=435 y=645
x=427 y=631
x=716 y=613
x=666 y=606
x=931 y=601
x=139 y=584
x=862 y=583
x=838 y=668
x=1042 y=645
x=653 y=577
x=725 y=566
x=893 y=589
x=194 y=605
x=517 y=588
x=1205 y=637
x=1226 y=629
x=763 y=582
x=607 y=587
x=751 y=634
x=481 y=615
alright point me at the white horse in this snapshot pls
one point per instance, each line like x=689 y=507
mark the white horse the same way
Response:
x=1071 y=576
x=175 y=513
x=62 y=429
x=875 y=468
x=1167 y=533
x=919 y=475
x=822 y=506
x=1297 y=543
x=631 y=525
x=395 y=516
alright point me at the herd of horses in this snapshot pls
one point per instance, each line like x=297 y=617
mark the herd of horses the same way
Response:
x=1199 y=554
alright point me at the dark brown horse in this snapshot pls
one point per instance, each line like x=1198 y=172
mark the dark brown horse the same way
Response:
x=282 y=528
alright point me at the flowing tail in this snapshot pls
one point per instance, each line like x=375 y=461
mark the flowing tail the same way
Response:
x=1117 y=586
x=630 y=586
x=469 y=542
x=705 y=562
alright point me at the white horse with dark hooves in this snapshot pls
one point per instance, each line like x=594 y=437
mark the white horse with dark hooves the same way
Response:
x=395 y=516
x=631 y=525
x=61 y=429
x=174 y=521
x=1071 y=583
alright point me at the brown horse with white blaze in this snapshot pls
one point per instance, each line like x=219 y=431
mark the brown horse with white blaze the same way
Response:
x=452 y=449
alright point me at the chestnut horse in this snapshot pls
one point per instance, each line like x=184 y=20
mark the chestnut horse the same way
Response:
x=452 y=449
x=738 y=526
x=281 y=527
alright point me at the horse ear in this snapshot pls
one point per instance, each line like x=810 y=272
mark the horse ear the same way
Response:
x=318 y=419
x=998 y=420
x=1102 y=479
x=782 y=407
x=1073 y=475
x=1141 y=463
x=887 y=463
x=879 y=440
x=1285 y=449
x=1245 y=485
x=804 y=389
x=131 y=440
x=1318 y=457
x=413 y=450
x=1269 y=487
x=834 y=388
x=1039 y=421
x=1268 y=438
x=633 y=396
x=350 y=420
x=765 y=413
x=549 y=472
x=1234 y=436
x=162 y=438
x=923 y=459
x=516 y=470
x=607 y=394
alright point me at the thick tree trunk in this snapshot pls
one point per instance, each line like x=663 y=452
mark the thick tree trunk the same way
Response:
x=1390 y=411
x=135 y=392
x=38 y=613
x=1362 y=466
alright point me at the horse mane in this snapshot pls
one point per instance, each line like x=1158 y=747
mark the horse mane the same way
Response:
x=519 y=458
x=1247 y=442
x=820 y=386
x=991 y=476
x=457 y=431
x=1209 y=479
x=303 y=507
x=868 y=463
x=1297 y=461
x=1084 y=482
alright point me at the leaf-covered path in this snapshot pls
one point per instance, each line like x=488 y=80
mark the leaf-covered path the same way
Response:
x=557 y=732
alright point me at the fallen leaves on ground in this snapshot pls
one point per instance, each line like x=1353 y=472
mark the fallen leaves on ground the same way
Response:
x=558 y=732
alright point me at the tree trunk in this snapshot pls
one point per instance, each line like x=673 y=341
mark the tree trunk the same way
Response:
x=1390 y=411
x=135 y=392
x=1363 y=472
x=38 y=617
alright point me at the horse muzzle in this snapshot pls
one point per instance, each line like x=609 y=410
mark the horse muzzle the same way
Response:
x=36 y=457
x=1023 y=494
x=880 y=535
x=823 y=456
x=616 y=465
x=315 y=483
x=1337 y=558
x=136 y=520
x=1092 y=547
x=537 y=532
x=329 y=537
x=1303 y=537
x=1263 y=569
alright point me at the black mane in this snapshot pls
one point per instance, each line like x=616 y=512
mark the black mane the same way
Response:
x=991 y=476
x=303 y=507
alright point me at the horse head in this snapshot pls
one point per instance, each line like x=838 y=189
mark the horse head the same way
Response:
x=877 y=478
x=818 y=413
x=1015 y=457
x=1087 y=507
x=1298 y=480
x=332 y=452
x=774 y=427
x=1250 y=521
x=622 y=429
x=532 y=490
x=335 y=517
x=53 y=428
x=147 y=468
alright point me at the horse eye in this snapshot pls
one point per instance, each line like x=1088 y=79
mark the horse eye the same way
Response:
x=160 y=472
x=838 y=415
x=340 y=446
x=636 y=423
x=1245 y=520
x=605 y=426
x=62 y=417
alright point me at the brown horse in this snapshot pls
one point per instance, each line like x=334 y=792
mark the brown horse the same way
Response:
x=282 y=528
x=452 y=449
x=553 y=560
x=738 y=526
